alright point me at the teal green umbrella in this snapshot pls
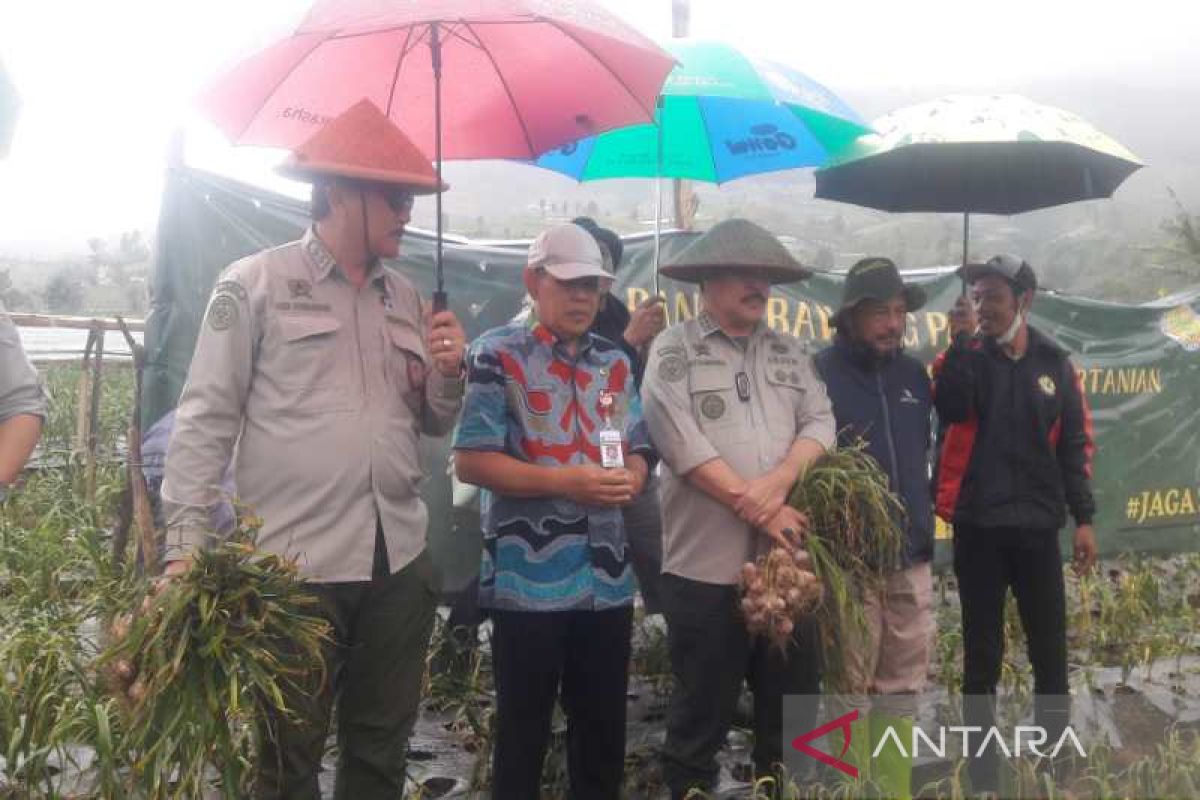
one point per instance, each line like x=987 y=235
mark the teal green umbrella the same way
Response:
x=9 y=103
x=723 y=115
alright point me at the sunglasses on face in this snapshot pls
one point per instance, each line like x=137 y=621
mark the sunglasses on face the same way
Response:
x=398 y=199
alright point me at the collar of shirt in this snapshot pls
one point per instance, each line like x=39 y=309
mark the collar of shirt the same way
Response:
x=547 y=337
x=709 y=326
x=323 y=264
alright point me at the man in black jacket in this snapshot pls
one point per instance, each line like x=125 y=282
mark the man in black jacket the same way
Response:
x=882 y=397
x=1015 y=456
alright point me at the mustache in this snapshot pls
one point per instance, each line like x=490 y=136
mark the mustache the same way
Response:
x=754 y=296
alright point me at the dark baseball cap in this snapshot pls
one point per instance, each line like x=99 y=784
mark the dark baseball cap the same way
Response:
x=1013 y=269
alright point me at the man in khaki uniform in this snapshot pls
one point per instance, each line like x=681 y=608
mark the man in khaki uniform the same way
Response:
x=737 y=413
x=316 y=369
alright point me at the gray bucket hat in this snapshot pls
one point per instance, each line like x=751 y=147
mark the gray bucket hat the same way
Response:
x=877 y=278
x=735 y=244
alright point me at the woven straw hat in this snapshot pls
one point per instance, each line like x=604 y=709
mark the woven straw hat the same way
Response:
x=735 y=244
x=363 y=144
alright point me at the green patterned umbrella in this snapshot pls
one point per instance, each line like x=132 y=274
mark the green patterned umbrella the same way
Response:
x=987 y=154
x=9 y=104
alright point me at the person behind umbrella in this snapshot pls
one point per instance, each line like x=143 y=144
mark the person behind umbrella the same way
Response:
x=736 y=413
x=882 y=397
x=555 y=576
x=22 y=405
x=317 y=370
x=631 y=331
x=633 y=334
x=1017 y=454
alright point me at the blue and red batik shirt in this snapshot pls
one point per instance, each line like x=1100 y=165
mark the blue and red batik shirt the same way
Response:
x=529 y=398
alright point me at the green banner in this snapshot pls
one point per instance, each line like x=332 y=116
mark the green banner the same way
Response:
x=1138 y=364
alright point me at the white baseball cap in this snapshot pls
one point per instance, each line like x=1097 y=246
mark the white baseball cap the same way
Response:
x=567 y=252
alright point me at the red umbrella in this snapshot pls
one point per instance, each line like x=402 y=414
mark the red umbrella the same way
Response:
x=519 y=77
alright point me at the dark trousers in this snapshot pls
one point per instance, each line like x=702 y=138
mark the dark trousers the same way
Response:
x=988 y=562
x=374 y=666
x=711 y=655
x=580 y=656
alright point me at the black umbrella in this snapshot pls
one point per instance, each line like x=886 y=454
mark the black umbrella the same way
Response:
x=983 y=154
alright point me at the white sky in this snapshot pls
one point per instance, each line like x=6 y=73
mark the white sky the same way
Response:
x=105 y=82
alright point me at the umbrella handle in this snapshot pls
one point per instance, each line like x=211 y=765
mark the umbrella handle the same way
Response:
x=440 y=302
x=966 y=243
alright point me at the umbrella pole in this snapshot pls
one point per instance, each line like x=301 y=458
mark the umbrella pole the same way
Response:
x=658 y=169
x=966 y=235
x=435 y=48
x=657 y=237
x=966 y=242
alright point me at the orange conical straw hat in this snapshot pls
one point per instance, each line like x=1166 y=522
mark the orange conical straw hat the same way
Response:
x=362 y=143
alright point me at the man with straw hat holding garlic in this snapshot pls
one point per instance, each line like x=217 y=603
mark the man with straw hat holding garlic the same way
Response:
x=737 y=413
x=317 y=370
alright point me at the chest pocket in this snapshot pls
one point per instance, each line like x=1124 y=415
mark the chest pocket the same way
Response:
x=308 y=363
x=308 y=350
x=405 y=366
x=785 y=394
x=715 y=405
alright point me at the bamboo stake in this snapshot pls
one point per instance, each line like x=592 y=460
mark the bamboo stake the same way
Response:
x=142 y=515
x=94 y=415
x=83 y=400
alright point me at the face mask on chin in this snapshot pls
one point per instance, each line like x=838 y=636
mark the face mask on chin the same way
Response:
x=1007 y=337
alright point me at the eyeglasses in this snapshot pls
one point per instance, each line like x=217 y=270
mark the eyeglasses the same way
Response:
x=398 y=200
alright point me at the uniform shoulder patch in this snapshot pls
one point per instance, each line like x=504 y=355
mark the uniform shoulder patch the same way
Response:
x=672 y=367
x=222 y=312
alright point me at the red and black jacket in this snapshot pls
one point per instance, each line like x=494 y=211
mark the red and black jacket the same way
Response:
x=1016 y=446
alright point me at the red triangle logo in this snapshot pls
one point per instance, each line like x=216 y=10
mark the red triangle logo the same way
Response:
x=801 y=743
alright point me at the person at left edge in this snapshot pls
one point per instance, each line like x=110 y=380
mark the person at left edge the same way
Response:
x=555 y=577
x=318 y=369
x=22 y=405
